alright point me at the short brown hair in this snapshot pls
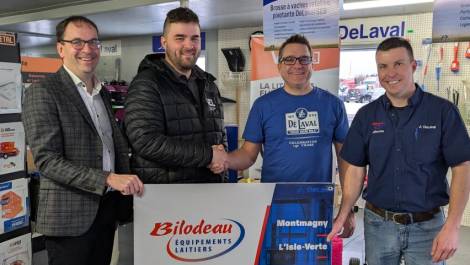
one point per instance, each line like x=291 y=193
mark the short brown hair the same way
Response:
x=180 y=15
x=297 y=38
x=395 y=42
x=60 y=28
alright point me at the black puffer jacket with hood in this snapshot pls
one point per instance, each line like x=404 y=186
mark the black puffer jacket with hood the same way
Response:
x=170 y=134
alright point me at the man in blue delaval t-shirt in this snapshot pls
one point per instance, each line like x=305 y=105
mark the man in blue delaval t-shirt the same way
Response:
x=408 y=139
x=296 y=125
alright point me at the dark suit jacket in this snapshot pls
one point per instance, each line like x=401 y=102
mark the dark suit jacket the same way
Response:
x=68 y=153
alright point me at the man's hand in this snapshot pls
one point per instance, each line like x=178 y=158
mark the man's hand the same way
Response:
x=348 y=226
x=219 y=159
x=126 y=184
x=343 y=227
x=445 y=244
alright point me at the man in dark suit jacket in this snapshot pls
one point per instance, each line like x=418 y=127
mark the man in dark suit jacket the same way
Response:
x=77 y=147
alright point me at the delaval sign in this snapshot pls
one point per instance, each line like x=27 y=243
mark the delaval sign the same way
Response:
x=371 y=30
x=111 y=48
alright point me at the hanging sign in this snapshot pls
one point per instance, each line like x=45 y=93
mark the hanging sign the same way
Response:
x=317 y=20
x=451 y=21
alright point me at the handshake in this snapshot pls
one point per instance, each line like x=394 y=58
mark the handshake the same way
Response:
x=220 y=159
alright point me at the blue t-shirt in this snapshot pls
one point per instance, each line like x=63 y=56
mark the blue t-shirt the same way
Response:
x=297 y=133
x=408 y=151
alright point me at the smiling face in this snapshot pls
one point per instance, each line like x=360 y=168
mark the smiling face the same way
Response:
x=395 y=69
x=82 y=62
x=297 y=76
x=182 y=43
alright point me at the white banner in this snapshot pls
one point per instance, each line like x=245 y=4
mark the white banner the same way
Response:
x=233 y=224
x=317 y=20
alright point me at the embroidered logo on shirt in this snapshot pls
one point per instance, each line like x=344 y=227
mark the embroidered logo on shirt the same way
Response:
x=427 y=127
x=211 y=104
x=302 y=121
x=378 y=127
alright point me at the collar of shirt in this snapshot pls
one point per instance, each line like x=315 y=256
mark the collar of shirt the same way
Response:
x=80 y=84
x=181 y=77
x=412 y=101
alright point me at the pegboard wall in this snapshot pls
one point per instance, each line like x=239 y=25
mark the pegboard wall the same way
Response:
x=439 y=79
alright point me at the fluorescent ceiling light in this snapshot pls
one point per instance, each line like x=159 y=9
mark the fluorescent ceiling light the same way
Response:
x=381 y=3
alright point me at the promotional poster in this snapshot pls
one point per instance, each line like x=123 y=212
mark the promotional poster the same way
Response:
x=233 y=224
x=317 y=20
x=10 y=87
x=14 y=205
x=35 y=69
x=16 y=251
x=12 y=147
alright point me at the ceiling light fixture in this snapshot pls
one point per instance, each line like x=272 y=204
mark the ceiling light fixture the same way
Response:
x=381 y=3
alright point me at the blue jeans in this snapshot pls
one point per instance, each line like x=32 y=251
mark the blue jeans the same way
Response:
x=387 y=242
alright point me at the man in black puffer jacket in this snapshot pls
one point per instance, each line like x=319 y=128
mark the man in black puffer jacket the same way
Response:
x=174 y=113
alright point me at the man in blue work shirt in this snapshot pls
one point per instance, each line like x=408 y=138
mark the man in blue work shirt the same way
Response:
x=408 y=139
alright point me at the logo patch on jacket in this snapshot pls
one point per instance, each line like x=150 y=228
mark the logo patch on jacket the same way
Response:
x=211 y=104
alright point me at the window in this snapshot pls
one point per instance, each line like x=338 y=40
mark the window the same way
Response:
x=358 y=83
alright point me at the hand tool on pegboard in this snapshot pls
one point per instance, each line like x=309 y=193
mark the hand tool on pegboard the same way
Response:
x=455 y=66
x=426 y=43
x=455 y=97
x=438 y=68
x=467 y=52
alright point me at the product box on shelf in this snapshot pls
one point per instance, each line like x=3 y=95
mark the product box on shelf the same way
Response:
x=16 y=251
x=14 y=205
x=10 y=87
x=12 y=147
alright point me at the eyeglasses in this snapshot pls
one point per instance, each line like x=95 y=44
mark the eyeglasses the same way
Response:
x=290 y=60
x=79 y=43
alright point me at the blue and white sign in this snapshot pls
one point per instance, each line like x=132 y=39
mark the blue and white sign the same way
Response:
x=373 y=31
x=317 y=20
x=158 y=48
x=451 y=21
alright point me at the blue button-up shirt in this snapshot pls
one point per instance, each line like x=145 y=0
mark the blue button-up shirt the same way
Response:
x=408 y=151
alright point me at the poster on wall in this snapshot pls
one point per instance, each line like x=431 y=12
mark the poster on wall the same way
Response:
x=233 y=224
x=317 y=20
x=12 y=146
x=15 y=205
x=16 y=251
x=10 y=87
x=451 y=21
x=35 y=69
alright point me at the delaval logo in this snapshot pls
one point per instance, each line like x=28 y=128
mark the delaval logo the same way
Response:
x=189 y=242
x=363 y=32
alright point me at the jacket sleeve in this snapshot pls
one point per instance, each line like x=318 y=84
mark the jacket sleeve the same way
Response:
x=41 y=120
x=145 y=128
